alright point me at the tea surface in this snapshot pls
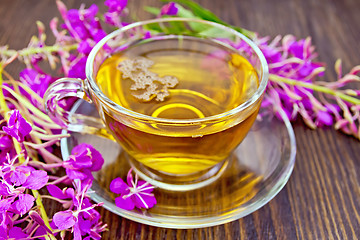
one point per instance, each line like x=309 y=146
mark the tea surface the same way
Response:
x=210 y=79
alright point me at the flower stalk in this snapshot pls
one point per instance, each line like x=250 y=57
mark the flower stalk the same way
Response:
x=38 y=50
x=314 y=86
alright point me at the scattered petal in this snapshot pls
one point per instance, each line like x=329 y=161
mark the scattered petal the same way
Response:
x=136 y=193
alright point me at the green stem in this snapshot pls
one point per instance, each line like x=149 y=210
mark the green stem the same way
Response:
x=314 y=87
x=206 y=14
x=33 y=50
x=3 y=105
x=28 y=105
x=43 y=213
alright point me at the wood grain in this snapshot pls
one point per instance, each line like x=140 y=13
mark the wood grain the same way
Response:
x=321 y=199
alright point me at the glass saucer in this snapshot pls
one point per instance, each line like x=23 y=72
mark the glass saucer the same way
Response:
x=258 y=169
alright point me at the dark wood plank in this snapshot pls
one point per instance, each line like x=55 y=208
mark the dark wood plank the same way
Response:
x=321 y=199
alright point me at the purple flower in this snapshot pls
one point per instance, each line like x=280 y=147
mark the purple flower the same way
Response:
x=6 y=147
x=133 y=194
x=292 y=59
x=17 y=233
x=116 y=5
x=6 y=225
x=23 y=204
x=116 y=9
x=89 y=223
x=85 y=47
x=169 y=9
x=36 y=180
x=83 y=27
x=5 y=204
x=64 y=219
x=66 y=196
x=17 y=178
x=5 y=143
x=83 y=24
x=37 y=218
x=81 y=217
x=60 y=194
x=323 y=119
x=296 y=48
x=90 y=13
x=37 y=81
x=77 y=27
x=97 y=33
x=17 y=126
x=77 y=68
x=83 y=160
x=14 y=180
x=16 y=175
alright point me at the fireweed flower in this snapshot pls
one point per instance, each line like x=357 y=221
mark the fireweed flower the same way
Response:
x=17 y=126
x=136 y=193
x=23 y=204
x=77 y=68
x=169 y=9
x=85 y=29
x=116 y=5
x=292 y=69
x=6 y=147
x=81 y=217
x=83 y=160
x=83 y=24
x=292 y=85
x=14 y=178
x=37 y=81
x=294 y=60
x=117 y=9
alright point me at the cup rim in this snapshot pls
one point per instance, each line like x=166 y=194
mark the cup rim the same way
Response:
x=118 y=108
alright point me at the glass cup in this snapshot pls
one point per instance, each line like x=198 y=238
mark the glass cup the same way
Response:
x=171 y=153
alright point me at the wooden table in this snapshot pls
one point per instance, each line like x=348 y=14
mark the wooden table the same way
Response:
x=321 y=199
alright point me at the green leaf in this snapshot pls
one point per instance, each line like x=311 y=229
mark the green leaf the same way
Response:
x=205 y=14
x=182 y=12
x=168 y=28
x=216 y=33
x=153 y=27
x=198 y=10
x=152 y=10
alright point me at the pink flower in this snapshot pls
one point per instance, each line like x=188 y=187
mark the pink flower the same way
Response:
x=84 y=159
x=37 y=81
x=23 y=204
x=64 y=219
x=116 y=5
x=116 y=10
x=81 y=218
x=133 y=194
x=169 y=9
x=17 y=126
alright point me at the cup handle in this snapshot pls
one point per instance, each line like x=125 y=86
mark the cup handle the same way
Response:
x=72 y=87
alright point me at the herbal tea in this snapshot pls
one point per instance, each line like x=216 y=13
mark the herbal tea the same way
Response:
x=178 y=78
